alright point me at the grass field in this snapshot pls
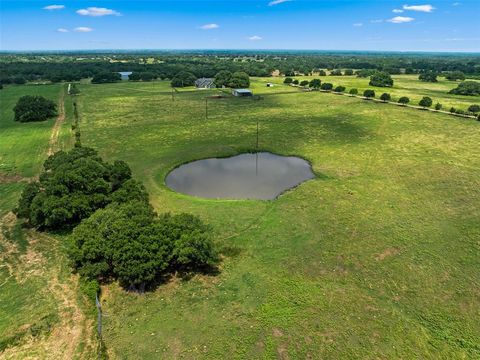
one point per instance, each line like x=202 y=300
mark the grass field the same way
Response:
x=377 y=257
x=40 y=305
x=404 y=85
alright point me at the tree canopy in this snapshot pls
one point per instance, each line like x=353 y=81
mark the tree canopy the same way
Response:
x=381 y=79
x=404 y=100
x=106 y=77
x=425 y=102
x=369 y=93
x=73 y=185
x=455 y=75
x=385 y=97
x=183 y=78
x=34 y=108
x=471 y=88
x=429 y=76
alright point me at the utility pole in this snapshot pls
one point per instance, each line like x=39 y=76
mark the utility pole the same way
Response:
x=206 y=108
x=257 y=135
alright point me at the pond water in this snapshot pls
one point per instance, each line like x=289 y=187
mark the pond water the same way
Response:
x=260 y=175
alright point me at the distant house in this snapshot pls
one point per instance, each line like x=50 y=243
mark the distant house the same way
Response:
x=241 y=92
x=205 y=83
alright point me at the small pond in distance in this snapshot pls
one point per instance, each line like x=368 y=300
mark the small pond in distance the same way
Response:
x=261 y=176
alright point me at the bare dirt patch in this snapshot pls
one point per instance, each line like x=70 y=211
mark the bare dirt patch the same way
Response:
x=387 y=253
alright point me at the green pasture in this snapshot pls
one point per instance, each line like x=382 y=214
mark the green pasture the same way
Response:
x=377 y=257
x=404 y=85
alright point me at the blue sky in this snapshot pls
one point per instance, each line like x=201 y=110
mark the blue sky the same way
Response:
x=241 y=24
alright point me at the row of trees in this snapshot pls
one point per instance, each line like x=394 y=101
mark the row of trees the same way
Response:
x=116 y=234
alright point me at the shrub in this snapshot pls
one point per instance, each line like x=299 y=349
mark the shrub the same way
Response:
x=474 y=108
x=322 y=73
x=460 y=112
x=385 y=97
x=340 y=89
x=336 y=72
x=455 y=75
x=381 y=79
x=288 y=80
x=453 y=110
x=425 y=102
x=348 y=72
x=369 y=93
x=353 y=91
x=326 y=86
x=438 y=106
x=471 y=88
x=304 y=83
x=295 y=82
x=34 y=108
x=315 y=83
x=404 y=100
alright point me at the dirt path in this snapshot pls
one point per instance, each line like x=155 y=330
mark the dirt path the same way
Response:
x=53 y=142
x=73 y=335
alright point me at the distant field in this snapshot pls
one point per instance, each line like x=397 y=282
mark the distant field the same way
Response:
x=404 y=85
x=375 y=258
x=23 y=145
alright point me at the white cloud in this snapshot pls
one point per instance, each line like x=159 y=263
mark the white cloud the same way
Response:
x=209 y=26
x=54 y=7
x=358 y=24
x=276 y=2
x=82 y=29
x=96 y=11
x=63 y=30
x=255 y=38
x=400 y=19
x=397 y=11
x=421 y=8
x=377 y=21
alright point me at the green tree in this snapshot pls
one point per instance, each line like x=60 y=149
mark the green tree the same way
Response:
x=438 y=106
x=315 y=84
x=385 y=97
x=295 y=82
x=348 y=72
x=34 y=108
x=223 y=78
x=455 y=75
x=369 y=93
x=429 y=76
x=474 y=108
x=425 y=102
x=353 y=91
x=339 y=89
x=106 y=77
x=239 y=79
x=381 y=79
x=336 y=72
x=471 y=88
x=322 y=73
x=326 y=86
x=288 y=80
x=304 y=83
x=182 y=79
x=404 y=100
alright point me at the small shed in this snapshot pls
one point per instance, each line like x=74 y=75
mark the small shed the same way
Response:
x=205 y=83
x=242 y=92
x=125 y=75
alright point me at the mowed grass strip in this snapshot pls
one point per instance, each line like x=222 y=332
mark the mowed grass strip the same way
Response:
x=375 y=258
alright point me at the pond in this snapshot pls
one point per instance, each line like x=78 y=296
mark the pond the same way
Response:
x=260 y=175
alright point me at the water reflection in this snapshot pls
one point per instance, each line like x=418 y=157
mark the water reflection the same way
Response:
x=247 y=176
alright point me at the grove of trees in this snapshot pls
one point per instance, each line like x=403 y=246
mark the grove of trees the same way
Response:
x=381 y=79
x=471 y=88
x=429 y=76
x=116 y=234
x=34 y=108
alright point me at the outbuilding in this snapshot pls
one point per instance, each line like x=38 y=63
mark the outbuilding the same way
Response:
x=242 y=92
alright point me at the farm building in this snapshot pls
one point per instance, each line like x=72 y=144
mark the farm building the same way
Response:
x=204 y=83
x=242 y=92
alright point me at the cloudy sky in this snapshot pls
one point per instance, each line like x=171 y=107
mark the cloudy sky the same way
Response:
x=240 y=24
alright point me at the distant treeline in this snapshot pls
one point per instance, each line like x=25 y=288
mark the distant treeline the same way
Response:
x=20 y=68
